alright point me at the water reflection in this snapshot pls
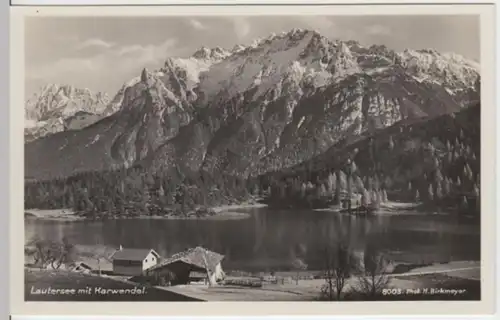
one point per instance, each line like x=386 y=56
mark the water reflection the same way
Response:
x=269 y=240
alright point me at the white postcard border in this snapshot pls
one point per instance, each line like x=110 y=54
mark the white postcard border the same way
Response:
x=460 y=308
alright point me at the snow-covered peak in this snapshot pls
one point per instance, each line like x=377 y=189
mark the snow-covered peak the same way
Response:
x=216 y=53
x=297 y=32
x=448 y=69
x=297 y=58
x=55 y=100
x=237 y=48
x=343 y=49
x=49 y=110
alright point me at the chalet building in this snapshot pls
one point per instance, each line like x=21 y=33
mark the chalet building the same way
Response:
x=133 y=262
x=194 y=264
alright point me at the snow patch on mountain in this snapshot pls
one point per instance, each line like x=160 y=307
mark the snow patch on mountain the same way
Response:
x=279 y=101
x=49 y=110
x=297 y=59
x=63 y=101
x=447 y=69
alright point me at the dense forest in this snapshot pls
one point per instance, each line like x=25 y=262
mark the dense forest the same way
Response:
x=435 y=162
x=136 y=191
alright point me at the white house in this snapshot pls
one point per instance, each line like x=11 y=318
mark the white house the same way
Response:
x=133 y=262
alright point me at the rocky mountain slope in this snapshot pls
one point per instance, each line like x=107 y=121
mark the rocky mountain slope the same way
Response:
x=426 y=160
x=256 y=108
x=60 y=107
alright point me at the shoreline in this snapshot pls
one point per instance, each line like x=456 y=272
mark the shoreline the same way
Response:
x=223 y=212
x=387 y=208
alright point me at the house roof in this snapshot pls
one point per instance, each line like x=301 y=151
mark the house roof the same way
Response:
x=194 y=256
x=133 y=254
x=82 y=264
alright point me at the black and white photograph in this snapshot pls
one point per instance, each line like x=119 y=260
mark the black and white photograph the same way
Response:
x=201 y=158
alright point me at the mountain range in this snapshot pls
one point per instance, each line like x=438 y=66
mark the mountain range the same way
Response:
x=57 y=108
x=249 y=110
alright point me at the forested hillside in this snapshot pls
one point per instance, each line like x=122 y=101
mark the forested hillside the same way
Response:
x=436 y=162
x=133 y=192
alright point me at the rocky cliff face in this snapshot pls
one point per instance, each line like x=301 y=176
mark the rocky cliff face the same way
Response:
x=289 y=97
x=59 y=107
x=258 y=108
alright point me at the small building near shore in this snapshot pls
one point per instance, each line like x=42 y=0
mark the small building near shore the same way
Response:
x=133 y=262
x=191 y=265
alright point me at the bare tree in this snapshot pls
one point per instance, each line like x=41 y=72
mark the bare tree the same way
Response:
x=48 y=252
x=99 y=254
x=299 y=265
x=207 y=269
x=37 y=249
x=374 y=277
x=340 y=263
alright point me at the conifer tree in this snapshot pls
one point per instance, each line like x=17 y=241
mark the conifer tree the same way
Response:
x=476 y=190
x=339 y=187
x=388 y=182
x=391 y=144
x=365 y=198
x=430 y=192
x=349 y=188
x=303 y=189
x=436 y=163
x=377 y=198
x=446 y=186
x=332 y=183
x=342 y=180
x=373 y=197
x=323 y=191
x=359 y=184
x=465 y=203
x=384 y=196
x=439 y=176
x=439 y=190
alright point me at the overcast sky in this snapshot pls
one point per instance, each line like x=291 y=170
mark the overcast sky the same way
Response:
x=102 y=53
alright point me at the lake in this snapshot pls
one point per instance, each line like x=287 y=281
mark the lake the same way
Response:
x=270 y=239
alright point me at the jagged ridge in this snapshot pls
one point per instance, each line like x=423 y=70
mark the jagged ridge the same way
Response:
x=62 y=107
x=261 y=107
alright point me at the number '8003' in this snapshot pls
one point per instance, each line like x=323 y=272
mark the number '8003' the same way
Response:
x=391 y=291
